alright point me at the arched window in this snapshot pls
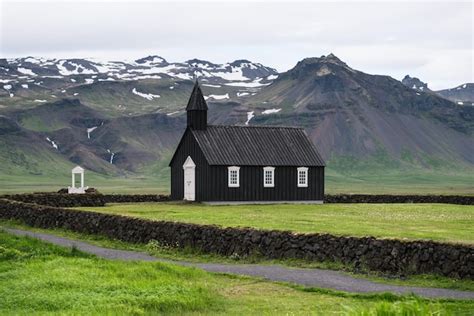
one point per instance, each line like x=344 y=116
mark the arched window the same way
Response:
x=302 y=177
x=233 y=176
x=269 y=177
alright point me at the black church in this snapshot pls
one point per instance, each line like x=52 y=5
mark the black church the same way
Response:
x=245 y=164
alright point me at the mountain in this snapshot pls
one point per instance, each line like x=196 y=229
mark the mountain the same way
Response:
x=117 y=88
x=73 y=132
x=415 y=83
x=20 y=70
x=125 y=118
x=462 y=95
x=357 y=116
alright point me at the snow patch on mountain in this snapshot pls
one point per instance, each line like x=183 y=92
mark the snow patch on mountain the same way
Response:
x=253 y=84
x=52 y=143
x=90 y=130
x=144 y=77
x=235 y=74
x=217 y=96
x=250 y=115
x=76 y=69
x=112 y=154
x=148 y=96
x=35 y=60
x=271 y=111
x=26 y=71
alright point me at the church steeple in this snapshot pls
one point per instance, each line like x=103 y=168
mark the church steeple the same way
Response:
x=197 y=109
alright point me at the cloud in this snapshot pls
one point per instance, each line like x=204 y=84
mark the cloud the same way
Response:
x=432 y=40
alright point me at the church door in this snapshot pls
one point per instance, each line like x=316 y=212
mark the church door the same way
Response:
x=189 y=179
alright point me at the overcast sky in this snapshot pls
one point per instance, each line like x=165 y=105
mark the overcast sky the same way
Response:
x=430 y=40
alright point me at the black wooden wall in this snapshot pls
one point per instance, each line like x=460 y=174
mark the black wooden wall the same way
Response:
x=251 y=185
x=212 y=182
x=188 y=147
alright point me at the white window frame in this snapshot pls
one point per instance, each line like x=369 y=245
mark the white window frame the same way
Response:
x=300 y=184
x=272 y=170
x=229 y=171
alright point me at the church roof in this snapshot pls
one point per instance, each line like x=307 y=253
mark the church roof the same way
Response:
x=257 y=146
x=196 y=100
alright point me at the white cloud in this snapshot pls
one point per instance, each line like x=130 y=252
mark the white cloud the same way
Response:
x=421 y=38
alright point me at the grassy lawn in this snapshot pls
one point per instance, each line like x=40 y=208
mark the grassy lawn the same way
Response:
x=155 y=179
x=39 y=278
x=195 y=255
x=391 y=181
x=441 y=222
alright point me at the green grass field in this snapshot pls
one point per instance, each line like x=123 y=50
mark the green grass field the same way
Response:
x=195 y=255
x=441 y=222
x=38 y=278
x=155 y=180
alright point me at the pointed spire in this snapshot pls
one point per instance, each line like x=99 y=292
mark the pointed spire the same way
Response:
x=197 y=109
x=196 y=100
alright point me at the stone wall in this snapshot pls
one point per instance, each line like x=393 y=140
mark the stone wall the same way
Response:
x=135 y=198
x=388 y=256
x=381 y=198
x=77 y=200
x=59 y=199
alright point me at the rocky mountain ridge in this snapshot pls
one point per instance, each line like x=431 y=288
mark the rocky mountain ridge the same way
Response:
x=122 y=122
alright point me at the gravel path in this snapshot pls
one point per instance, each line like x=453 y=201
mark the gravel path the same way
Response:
x=326 y=279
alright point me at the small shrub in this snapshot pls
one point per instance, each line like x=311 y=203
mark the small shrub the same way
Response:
x=75 y=251
x=399 y=308
x=10 y=254
x=235 y=256
x=155 y=246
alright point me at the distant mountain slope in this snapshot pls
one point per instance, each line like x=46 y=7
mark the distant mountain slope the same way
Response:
x=118 y=88
x=354 y=114
x=117 y=118
x=415 y=83
x=151 y=67
x=83 y=136
x=23 y=152
x=462 y=95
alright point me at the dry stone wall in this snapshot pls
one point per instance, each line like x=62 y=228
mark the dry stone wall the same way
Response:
x=94 y=199
x=77 y=200
x=59 y=199
x=381 y=198
x=387 y=256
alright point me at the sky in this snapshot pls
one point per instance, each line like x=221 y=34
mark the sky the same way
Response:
x=431 y=40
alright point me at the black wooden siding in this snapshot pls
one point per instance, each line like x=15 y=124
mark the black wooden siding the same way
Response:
x=188 y=147
x=251 y=185
x=197 y=119
x=212 y=182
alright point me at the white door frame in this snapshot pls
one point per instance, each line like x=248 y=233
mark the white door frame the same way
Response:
x=189 y=168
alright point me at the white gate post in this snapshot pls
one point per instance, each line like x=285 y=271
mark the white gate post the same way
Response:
x=77 y=190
